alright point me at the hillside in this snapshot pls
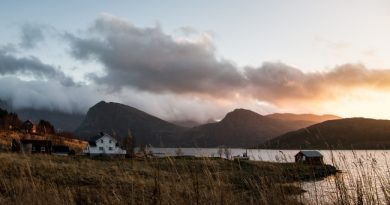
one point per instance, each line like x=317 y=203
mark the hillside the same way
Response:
x=350 y=133
x=6 y=137
x=239 y=128
x=118 y=119
x=11 y=128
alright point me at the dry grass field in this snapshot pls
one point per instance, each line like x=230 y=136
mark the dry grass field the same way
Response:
x=6 y=138
x=46 y=179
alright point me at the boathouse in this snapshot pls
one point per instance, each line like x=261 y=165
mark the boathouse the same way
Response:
x=309 y=157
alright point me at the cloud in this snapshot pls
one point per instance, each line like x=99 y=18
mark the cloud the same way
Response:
x=187 y=30
x=277 y=82
x=173 y=77
x=31 y=66
x=32 y=34
x=149 y=60
x=49 y=95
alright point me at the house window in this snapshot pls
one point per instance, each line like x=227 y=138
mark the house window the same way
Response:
x=43 y=149
x=110 y=148
x=101 y=141
x=33 y=148
x=110 y=141
x=101 y=148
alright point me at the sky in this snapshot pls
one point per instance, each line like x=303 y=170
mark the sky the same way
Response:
x=197 y=60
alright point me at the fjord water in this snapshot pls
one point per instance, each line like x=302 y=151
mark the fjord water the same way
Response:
x=364 y=173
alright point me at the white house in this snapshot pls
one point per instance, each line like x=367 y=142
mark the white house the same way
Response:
x=103 y=144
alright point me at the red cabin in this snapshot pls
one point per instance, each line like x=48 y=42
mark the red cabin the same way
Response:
x=309 y=157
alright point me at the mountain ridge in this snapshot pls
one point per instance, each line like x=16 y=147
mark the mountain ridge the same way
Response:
x=118 y=119
x=347 y=133
x=239 y=128
x=303 y=117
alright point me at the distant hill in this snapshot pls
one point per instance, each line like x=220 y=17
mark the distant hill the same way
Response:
x=349 y=133
x=118 y=119
x=239 y=128
x=310 y=118
x=301 y=120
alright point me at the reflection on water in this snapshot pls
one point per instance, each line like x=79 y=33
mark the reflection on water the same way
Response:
x=365 y=173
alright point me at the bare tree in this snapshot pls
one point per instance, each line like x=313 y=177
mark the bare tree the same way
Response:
x=227 y=152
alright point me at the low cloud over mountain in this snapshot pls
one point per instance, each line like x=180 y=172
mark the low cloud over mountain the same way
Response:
x=150 y=60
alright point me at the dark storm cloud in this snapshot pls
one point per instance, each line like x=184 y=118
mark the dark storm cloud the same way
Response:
x=31 y=34
x=174 y=77
x=149 y=60
x=31 y=66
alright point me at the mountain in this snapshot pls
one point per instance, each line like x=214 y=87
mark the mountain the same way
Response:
x=61 y=121
x=118 y=119
x=349 y=133
x=190 y=123
x=239 y=128
x=186 y=123
x=302 y=120
x=309 y=118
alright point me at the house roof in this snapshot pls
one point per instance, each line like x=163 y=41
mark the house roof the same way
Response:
x=92 y=140
x=310 y=153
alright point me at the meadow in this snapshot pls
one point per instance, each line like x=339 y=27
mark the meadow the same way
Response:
x=46 y=179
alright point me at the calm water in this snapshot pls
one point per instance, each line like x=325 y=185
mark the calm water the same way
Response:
x=370 y=169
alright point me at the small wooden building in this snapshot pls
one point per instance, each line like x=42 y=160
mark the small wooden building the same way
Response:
x=32 y=146
x=309 y=157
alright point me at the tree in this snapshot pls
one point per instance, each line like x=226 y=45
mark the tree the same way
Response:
x=220 y=151
x=128 y=143
x=9 y=120
x=45 y=127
